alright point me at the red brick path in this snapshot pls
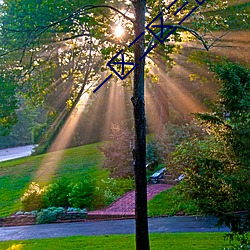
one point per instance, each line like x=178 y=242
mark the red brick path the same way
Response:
x=125 y=205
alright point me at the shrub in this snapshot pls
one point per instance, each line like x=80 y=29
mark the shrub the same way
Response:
x=123 y=185
x=152 y=156
x=103 y=194
x=243 y=242
x=33 y=197
x=57 y=193
x=48 y=215
x=81 y=194
x=109 y=189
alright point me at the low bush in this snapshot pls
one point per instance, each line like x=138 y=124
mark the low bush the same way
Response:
x=81 y=194
x=33 y=198
x=87 y=193
x=48 y=215
x=109 y=189
x=57 y=193
x=103 y=193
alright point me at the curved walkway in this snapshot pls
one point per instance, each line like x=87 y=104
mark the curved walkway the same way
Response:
x=124 y=207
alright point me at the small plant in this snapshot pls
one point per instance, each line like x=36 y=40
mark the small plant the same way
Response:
x=48 y=215
x=33 y=197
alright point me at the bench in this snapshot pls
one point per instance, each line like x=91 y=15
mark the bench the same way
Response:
x=155 y=177
x=182 y=176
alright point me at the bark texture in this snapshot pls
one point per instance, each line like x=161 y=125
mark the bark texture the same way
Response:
x=139 y=151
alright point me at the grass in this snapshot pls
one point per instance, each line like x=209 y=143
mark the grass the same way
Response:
x=169 y=203
x=170 y=241
x=16 y=175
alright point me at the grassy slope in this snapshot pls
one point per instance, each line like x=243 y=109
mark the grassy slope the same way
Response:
x=16 y=175
x=169 y=203
x=173 y=241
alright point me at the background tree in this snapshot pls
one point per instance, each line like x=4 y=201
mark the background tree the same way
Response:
x=8 y=105
x=217 y=168
x=118 y=156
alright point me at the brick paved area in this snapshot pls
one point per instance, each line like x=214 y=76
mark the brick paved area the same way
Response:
x=124 y=207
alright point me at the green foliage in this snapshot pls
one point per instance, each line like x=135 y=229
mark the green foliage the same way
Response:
x=235 y=17
x=151 y=154
x=166 y=141
x=81 y=194
x=216 y=168
x=48 y=215
x=205 y=175
x=57 y=193
x=103 y=193
x=22 y=132
x=89 y=193
x=108 y=190
x=8 y=105
x=32 y=198
x=242 y=241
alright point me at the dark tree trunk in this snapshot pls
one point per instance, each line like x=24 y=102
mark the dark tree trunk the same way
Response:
x=139 y=152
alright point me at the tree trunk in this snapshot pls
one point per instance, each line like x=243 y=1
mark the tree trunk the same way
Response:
x=139 y=151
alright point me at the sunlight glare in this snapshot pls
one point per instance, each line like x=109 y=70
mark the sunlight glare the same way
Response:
x=51 y=161
x=119 y=31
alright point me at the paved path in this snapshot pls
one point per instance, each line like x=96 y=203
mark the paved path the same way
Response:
x=14 y=153
x=125 y=206
x=156 y=225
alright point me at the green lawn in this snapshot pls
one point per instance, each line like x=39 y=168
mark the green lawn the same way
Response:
x=169 y=202
x=172 y=241
x=16 y=175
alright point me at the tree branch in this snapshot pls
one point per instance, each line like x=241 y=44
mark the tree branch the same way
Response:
x=42 y=29
x=193 y=32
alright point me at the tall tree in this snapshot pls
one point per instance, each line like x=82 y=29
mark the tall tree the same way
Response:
x=139 y=151
x=63 y=24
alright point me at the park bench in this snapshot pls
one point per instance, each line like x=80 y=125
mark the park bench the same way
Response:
x=155 y=177
x=182 y=176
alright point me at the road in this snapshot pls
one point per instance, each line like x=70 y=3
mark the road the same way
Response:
x=156 y=225
x=14 y=153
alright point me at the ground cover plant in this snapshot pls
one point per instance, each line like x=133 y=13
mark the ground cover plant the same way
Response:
x=172 y=241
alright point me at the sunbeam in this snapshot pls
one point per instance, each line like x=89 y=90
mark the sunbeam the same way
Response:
x=61 y=142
